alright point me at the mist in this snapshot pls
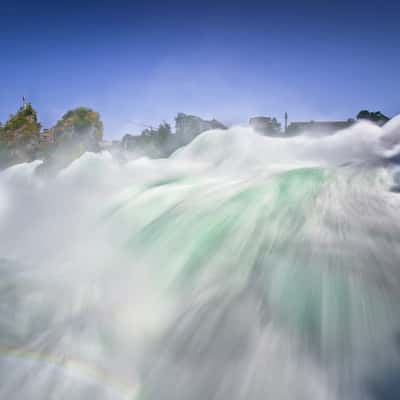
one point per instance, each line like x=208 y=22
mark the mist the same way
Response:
x=241 y=267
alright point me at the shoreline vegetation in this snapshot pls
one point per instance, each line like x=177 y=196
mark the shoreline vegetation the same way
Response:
x=22 y=138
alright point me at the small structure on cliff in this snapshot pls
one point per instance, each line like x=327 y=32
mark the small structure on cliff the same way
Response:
x=47 y=136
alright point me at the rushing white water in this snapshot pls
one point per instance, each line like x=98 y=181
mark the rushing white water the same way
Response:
x=242 y=267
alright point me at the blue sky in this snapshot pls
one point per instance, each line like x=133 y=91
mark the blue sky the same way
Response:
x=142 y=62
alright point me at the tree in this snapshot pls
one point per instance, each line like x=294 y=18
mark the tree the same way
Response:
x=163 y=132
x=22 y=127
x=372 y=116
x=157 y=136
x=363 y=114
x=81 y=125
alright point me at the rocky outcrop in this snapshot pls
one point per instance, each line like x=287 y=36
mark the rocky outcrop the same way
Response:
x=20 y=135
x=82 y=127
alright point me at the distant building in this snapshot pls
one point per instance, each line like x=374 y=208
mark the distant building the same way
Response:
x=105 y=144
x=47 y=136
x=110 y=145
x=265 y=125
x=129 y=141
x=326 y=127
x=190 y=126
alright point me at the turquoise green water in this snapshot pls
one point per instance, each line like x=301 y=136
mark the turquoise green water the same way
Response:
x=202 y=286
x=305 y=245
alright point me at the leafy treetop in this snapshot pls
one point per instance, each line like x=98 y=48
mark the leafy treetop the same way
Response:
x=372 y=116
x=22 y=125
x=80 y=120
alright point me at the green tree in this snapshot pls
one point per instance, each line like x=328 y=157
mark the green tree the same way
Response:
x=22 y=127
x=372 y=116
x=80 y=124
x=364 y=114
x=163 y=132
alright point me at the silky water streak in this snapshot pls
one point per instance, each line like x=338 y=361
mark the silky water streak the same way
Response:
x=242 y=267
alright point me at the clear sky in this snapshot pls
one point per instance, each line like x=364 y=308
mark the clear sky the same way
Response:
x=142 y=62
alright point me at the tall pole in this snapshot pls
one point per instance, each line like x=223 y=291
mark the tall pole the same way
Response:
x=286 y=119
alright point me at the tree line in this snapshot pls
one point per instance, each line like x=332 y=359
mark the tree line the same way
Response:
x=22 y=138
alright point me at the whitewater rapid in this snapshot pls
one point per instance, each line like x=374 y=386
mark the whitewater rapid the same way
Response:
x=242 y=267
